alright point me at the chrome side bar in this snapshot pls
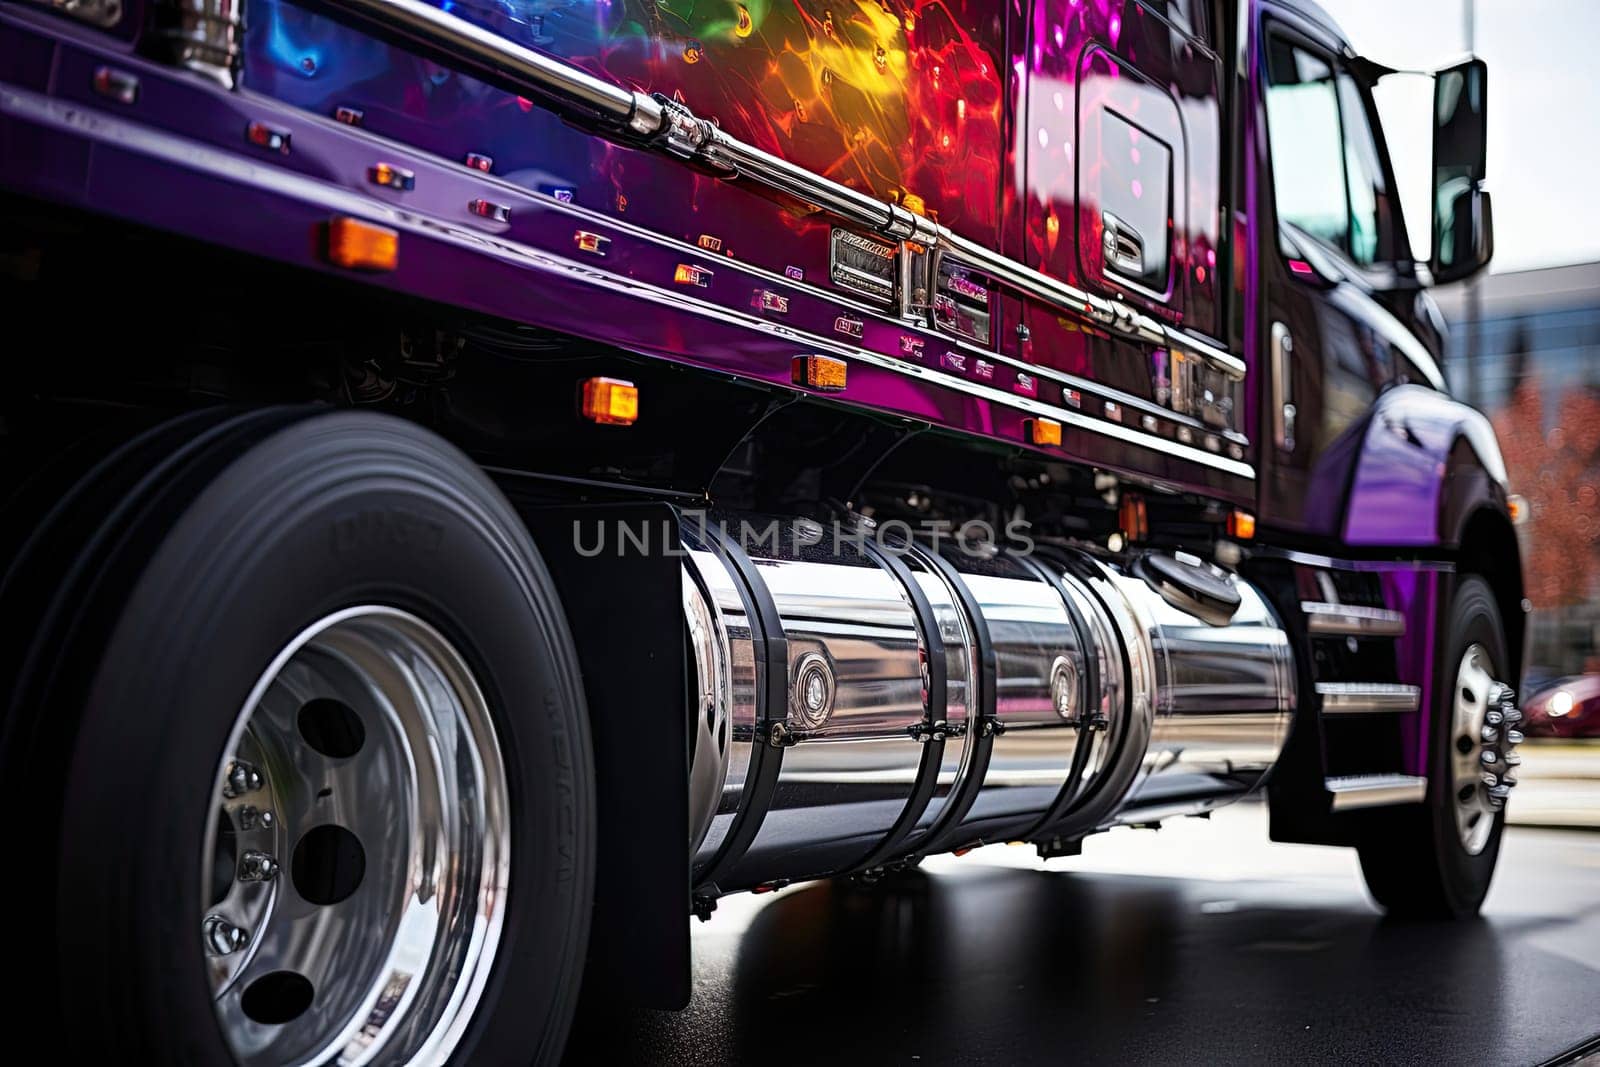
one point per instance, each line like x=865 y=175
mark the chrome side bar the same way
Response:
x=1324 y=620
x=1368 y=698
x=642 y=120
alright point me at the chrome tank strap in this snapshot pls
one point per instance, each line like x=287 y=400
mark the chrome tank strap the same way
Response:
x=933 y=729
x=772 y=712
x=983 y=725
x=1088 y=722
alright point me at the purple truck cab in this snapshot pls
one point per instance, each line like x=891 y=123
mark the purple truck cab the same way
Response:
x=491 y=477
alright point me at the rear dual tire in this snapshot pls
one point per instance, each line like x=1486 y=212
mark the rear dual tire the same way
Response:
x=157 y=597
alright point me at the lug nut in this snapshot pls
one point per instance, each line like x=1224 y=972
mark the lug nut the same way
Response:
x=223 y=938
x=252 y=819
x=257 y=867
x=241 y=778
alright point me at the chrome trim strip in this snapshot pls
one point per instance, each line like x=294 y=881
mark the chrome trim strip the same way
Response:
x=1368 y=698
x=1311 y=559
x=638 y=119
x=232 y=167
x=854 y=302
x=1323 y=619
x=1375 y=790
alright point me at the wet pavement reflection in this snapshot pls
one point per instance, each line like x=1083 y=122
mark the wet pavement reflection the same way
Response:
x=1259 y=953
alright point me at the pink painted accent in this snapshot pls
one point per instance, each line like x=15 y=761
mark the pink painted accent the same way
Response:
x=1301 y=267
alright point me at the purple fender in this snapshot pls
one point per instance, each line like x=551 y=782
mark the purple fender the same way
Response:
x=1428 y=467
x=1427 y=463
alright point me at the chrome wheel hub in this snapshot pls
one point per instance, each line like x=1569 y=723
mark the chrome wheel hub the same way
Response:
x=1483 y=740
x=357 y=858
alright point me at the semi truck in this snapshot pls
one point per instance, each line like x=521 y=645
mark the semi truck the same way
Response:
x=486 y=479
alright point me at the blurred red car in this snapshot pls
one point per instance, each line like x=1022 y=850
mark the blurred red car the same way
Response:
x=1567 y=707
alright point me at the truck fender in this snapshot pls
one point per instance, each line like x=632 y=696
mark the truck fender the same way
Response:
x=1427 y=463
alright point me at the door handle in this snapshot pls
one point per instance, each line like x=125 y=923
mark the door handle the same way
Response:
x=1283 y=409
x=1123 y=247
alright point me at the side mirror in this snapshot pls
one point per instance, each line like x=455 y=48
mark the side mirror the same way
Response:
x=1463 y=224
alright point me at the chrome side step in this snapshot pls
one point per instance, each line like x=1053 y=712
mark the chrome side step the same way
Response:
x=1368 y=698
x=1324 y=620
x=1375 y=790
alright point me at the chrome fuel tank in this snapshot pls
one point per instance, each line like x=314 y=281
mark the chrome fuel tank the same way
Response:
x=857 y=702
x=1041 y=693
x=837 y=732
x=1224 y=694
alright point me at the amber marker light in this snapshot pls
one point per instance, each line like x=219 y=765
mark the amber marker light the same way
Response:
x=1241 y=525
x=609 y=401
x=1044 y=431
x=820 y=372
x=689 y=274
x=1133 y=519
x=359 y=245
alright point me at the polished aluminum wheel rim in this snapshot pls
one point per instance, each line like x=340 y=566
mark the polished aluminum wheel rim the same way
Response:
x=1470 y=783
x=358 y=853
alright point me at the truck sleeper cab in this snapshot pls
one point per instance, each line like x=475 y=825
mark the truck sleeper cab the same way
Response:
x=533 y=470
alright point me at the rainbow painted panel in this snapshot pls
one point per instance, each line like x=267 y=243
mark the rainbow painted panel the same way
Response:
x=896 y=97
x=891 y=98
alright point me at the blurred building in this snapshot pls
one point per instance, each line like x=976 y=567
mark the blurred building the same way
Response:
x=1525 y=349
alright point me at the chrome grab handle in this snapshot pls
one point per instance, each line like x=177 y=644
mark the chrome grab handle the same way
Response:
x=1283 y=409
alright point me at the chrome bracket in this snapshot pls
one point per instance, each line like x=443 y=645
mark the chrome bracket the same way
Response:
x=684 y=134
x=924 y=731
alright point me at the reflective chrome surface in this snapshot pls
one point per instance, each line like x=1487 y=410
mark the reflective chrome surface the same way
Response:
x=1483 y=739
x=723 y=691
x=960 y=670
x=1223 y=694
x=1368 y=698
x=1034 y=643
x=848 y=777
x=1323 y=619
x=358 y=860
x=98 y=12
x=1178 y=706
x=1375 y=790
x=202 y=35
x=710 y=706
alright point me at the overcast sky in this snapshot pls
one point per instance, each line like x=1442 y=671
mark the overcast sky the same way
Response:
x=1544 y=113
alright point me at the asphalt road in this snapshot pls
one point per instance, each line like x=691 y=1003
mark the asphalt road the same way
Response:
x=1200 y=942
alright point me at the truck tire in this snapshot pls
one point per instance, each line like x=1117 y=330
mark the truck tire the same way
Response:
x=1435 y=860
x=301 y=742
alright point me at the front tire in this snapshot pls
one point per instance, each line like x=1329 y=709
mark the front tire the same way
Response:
x=422 y=888
x=1435 y=860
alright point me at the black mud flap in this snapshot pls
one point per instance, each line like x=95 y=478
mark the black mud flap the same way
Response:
x=619 y=570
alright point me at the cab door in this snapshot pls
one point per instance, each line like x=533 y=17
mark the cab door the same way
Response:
x=1327 y=250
